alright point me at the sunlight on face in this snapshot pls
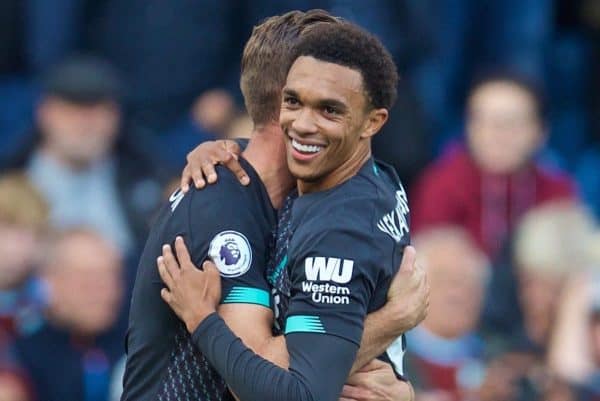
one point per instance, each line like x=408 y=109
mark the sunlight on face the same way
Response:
x=323 y=114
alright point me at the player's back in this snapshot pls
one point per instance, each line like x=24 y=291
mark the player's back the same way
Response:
x=234 y=224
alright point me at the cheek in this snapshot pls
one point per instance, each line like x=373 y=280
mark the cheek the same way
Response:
x=286 y=117
x=344 y=133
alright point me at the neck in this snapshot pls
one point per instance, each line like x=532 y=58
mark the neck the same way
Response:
x=266 y=153
x=341 y=174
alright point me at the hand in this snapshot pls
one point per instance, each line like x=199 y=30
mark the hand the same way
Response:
x=201 y=163
x=376 y=381
x=193 y=294
x=408 y=296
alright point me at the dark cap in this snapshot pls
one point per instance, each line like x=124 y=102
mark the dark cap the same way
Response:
x=83 y=79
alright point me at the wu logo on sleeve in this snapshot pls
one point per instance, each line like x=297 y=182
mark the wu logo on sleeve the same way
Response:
x=324 y=279
x=328 y=269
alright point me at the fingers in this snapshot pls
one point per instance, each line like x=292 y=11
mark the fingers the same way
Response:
x=218 y=155
x=213 y=283
x=208 y=264
x=356 y=380
x=202 y=160
x=232 y=147
x=208 y=169
x=183 y=254
x=210 y=269
x=237 y=169
x=194 y=168
x=166 y=296
x=165 y=276
x=375 y=364
x=232 y=163
x=186 y=177
x=212 y=276
x=170 y=263
x=356 y=393
x=409 y=259
x=198 y=177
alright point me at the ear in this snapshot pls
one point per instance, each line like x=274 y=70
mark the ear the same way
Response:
x=375 y=120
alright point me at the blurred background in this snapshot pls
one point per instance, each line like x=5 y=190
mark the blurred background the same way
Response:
x=496 y=135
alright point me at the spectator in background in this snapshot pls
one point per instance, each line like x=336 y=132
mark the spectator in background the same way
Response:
x=13 y=387
x=72 y=355
x=23 y=222
x=23 y=225
x=574 y=352
x=81 y=162
x=168 y=52
x=487 y=184
x=550 y=245
x=445 y=347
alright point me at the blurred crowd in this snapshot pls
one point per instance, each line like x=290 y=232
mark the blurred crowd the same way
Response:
x=495 y=133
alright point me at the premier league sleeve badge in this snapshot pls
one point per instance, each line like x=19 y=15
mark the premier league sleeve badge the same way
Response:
x=231 y=253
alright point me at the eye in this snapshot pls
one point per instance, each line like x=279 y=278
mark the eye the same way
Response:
x=330 y=110
x=290 y=101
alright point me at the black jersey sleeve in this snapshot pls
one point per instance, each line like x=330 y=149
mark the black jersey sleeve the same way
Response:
x=311 y=375
x=335 y=276
x=223 y=224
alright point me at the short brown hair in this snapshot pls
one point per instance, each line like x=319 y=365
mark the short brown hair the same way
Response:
x=268 y=56
x=21 y=204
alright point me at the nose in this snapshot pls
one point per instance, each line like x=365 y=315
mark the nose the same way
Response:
x=304 y=123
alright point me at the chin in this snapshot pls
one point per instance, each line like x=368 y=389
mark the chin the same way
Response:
x=303 y=173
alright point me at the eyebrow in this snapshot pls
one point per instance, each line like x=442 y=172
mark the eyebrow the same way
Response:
x=340 y=106
x=290 y=92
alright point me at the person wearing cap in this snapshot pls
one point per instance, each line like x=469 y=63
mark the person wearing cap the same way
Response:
x=80 y=158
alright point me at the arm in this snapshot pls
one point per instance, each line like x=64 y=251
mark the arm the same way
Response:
x=408 y=300
x=406 y=307
x=247 y=374
x=310 y=376
x=316 y=333
x=570 y=354
x=375 y=381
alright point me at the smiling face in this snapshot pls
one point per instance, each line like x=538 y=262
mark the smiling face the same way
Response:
x=327 y=122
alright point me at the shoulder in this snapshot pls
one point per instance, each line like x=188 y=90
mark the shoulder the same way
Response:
x=226 y=206
x=224 y=198
x=365 y=221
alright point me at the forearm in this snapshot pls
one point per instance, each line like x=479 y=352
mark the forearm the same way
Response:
x=253 y=325
x=252 y=377
x=274 y=349
x=377 y=337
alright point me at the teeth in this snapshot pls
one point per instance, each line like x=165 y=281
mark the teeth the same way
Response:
x=305 y=148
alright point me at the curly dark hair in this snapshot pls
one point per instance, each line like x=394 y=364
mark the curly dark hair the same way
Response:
x=351 y=46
